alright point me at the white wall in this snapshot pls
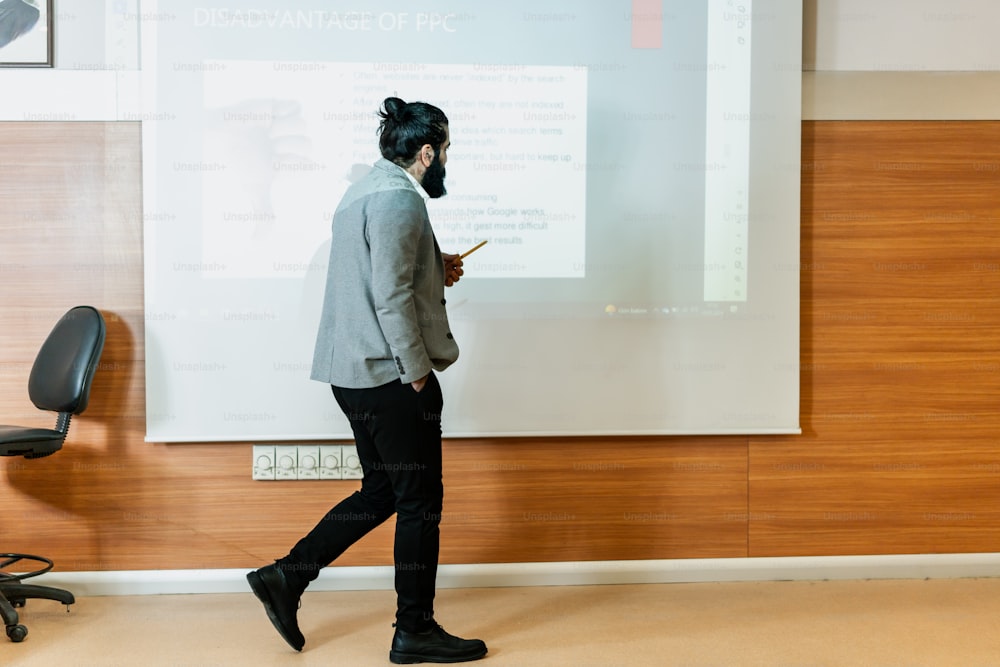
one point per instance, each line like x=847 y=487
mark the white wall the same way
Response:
x=96 y=35
x=838 y=35
x=901 y=35
x=900 y=60
x=862 y=59
x=95 y=76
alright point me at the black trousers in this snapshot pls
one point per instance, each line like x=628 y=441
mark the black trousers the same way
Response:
x=398 y=436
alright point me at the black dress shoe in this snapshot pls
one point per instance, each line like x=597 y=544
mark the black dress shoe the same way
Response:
x=434 y=645
x=280 y=602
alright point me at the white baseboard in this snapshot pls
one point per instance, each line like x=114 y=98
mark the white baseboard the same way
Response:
x=494 y=575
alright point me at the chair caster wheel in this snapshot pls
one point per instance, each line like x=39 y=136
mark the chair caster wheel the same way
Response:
x=17 y=633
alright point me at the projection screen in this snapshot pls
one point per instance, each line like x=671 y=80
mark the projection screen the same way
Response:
x=633 y=165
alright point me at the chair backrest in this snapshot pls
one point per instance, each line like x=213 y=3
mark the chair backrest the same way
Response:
x=65 y=365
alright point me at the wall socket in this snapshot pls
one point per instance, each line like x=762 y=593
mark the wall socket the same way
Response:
x=314 y=461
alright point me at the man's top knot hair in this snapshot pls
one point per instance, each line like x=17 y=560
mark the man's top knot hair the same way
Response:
x=406 y=127
x=393 y=108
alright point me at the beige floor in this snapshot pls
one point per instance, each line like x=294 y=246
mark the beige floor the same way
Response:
x=871 y=623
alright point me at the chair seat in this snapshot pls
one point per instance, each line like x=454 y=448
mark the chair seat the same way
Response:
x=21 y=440
x=59 y=382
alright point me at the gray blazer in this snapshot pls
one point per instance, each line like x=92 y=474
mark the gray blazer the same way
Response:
x=384 y=314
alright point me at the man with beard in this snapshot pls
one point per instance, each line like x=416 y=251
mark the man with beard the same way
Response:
x=383 y=332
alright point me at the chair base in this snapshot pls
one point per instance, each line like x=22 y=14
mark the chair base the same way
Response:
x=14 y=595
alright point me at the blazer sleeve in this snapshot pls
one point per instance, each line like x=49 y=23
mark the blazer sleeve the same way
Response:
x=395 y=223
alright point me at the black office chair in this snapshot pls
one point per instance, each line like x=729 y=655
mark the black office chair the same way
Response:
x=59 y=382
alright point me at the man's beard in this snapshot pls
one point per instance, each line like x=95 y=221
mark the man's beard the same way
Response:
x=433 y=181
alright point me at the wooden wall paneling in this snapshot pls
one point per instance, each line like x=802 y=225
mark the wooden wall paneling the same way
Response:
x=900 y=367
x=873 y=496
x=900 y=376
x=595 y=499
x=111 y=501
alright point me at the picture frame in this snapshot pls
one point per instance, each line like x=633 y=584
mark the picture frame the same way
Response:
x=26 y=33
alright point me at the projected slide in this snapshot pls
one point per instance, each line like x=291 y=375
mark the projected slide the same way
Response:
x=287 y=132
x=633 y=165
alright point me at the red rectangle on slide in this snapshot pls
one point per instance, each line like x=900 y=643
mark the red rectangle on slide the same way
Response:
x=647 y=24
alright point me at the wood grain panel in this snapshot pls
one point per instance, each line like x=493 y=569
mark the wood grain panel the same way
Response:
x=595 y=499
x=72 y=233
x=900 y=379
x=900 y=348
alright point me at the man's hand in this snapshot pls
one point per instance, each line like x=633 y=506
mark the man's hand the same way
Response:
x=452 y=269
x=418 y=385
